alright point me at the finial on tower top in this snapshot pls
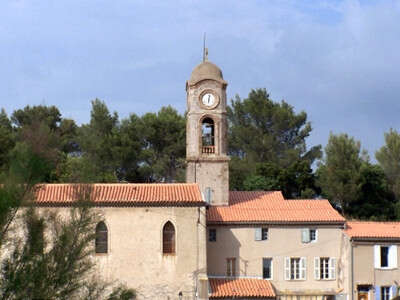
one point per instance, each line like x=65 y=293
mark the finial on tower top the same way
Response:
x=205 y=50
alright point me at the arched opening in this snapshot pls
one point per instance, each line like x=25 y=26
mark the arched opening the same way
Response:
x=101 y=238
x=169 y=238
x=208 y=136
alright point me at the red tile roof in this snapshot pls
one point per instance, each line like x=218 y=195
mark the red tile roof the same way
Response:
x=271 y=207
x=125 y=194
x=371 y=230
x=241 y=287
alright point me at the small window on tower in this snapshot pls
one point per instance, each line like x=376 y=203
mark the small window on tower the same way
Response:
x=207 y=136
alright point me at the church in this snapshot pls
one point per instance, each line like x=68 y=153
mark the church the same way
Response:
x=199 y=240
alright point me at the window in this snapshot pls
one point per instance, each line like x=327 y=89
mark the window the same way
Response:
x=385 y=256
x=385 y=292
x=168 y=238
x=231 y=266
x=261 y=234
x=324 y=268
x=295 y=268
x=207 y=136
x=309 y=235
x=267 y=268
x=101 y=242
x=212 y=235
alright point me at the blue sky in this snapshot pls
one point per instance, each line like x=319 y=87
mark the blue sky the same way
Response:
x=337 y=60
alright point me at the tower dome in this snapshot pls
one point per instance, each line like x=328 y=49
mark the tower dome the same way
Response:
x=206 y=70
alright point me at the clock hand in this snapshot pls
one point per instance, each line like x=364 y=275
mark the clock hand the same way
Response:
x=208 y=101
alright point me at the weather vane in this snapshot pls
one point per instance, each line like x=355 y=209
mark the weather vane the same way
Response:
x=205 y=50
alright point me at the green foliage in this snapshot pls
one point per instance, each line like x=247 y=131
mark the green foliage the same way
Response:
x=388 y=157
x=374 y=199
x=6 y=139
x=265 y=131
x=165 y=146
x=98 y=142
x=339 y=171
x=267 y=145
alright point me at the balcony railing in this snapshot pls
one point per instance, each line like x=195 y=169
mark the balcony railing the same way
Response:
x=208 y=149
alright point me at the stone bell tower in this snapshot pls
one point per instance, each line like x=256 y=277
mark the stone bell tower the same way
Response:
x=206 y=133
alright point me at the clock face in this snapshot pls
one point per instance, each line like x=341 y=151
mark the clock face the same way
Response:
x=208 y=99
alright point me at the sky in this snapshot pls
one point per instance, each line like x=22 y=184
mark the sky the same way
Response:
x=339 y=61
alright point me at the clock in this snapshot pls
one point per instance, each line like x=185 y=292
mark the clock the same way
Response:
x=209 y=100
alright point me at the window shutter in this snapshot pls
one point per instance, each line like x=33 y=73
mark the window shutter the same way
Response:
x=393 y=256
x=303 y=268
x=258 y=234
x=287 y=268
x=332 y=268
x=377 y=291
x=316 y=268
x=377 y=256
x=393 y=291
x=305 y=235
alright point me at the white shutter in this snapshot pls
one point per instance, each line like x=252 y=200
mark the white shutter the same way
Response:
x=332 y=268
x=377 y=256
x=258 y=234
x=303 y=268
x=317 y=274
x=287 y=268
x=305 y=235
x=393 y=256
x=393 y=291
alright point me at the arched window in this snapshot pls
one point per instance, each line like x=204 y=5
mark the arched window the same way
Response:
x=168 y=238
x=101 y=238
x=207 y=136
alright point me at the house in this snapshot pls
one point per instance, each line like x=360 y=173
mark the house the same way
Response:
x=374 y=255
x=295 y=244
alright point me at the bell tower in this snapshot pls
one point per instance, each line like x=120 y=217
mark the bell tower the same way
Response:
x=206 y=133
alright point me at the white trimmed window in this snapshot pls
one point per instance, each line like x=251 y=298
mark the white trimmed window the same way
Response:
x=324 y=268
x=309 y=235
x=385 y=256
x=267 y=268
x=295 y=268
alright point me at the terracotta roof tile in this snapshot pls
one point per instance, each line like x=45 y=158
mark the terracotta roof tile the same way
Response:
x=121 y=194
x=368 y=230
x=245 y=207
x=241 y=287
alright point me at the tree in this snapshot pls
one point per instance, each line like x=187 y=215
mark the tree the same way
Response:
x=339 y=172
x=267 y=138
x=99 y=142
x=297 y=180
x=6 y=138
x=388 y=157
x=374 y=200
x=164 y=145
x=44 y=129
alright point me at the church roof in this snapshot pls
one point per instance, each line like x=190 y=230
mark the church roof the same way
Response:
x=241 y=288
x=206 y=70
x=373 y=230
x=120 y=194
x=271 y=207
